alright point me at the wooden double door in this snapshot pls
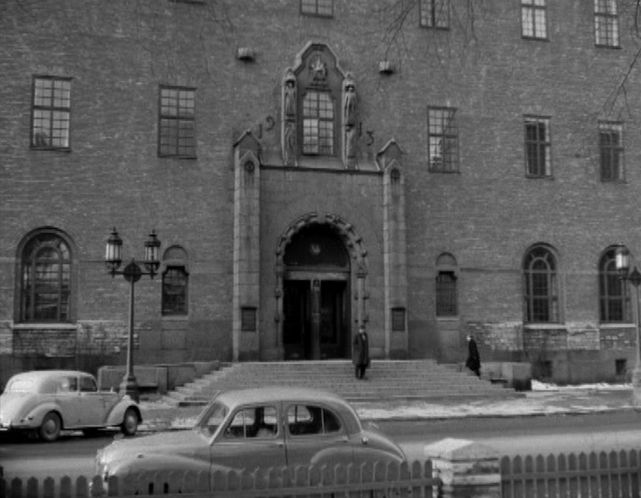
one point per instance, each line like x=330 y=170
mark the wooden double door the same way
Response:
x=316 y=317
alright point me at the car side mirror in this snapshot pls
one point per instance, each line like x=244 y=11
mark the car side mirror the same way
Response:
x=364 y=440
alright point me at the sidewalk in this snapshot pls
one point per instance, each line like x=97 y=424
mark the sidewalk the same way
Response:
x=542 y=400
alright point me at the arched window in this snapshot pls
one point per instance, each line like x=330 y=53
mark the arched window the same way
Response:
x=446 y=289
x=175 y=280
x=45 y=285
x=541 y=293
x=614 y=299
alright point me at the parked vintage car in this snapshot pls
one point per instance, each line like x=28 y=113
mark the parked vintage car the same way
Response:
x=48 y=401
x=254 y=428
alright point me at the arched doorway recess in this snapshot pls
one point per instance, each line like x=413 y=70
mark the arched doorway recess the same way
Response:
x=320 y=265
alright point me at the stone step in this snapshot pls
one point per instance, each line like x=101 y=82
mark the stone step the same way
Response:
x=387 y=379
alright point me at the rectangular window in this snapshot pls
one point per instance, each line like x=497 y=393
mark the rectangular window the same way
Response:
x=435 y=13
x=611 y=151
x=323 y=8
x=51 y=113
x=174 y=291
x=177 y=134
x=318 y=124
x=533 y=19
x=248 y=319
x=398 y=319
x=442 y=140
x=537 y=147
x=606 y=23
x=446 y=294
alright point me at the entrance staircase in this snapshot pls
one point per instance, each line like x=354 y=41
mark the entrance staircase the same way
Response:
x=385 y=380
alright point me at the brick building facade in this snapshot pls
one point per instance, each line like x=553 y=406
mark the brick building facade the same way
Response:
x=429 y=168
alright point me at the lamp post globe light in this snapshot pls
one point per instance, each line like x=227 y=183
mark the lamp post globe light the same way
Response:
x=132 y=273
x=632 y=275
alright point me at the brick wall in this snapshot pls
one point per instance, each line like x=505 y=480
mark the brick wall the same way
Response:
x=118 y=53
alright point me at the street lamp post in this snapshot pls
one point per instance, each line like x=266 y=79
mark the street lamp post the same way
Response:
x=132 y=273
x=623 y=266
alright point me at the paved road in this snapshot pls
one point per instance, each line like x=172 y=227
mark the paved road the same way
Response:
x=74 y=454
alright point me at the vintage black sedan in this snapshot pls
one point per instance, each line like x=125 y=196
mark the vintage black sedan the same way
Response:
x=255 y=428
x=49 y=401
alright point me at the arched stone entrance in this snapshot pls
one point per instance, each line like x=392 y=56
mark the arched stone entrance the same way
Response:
x=320 y=266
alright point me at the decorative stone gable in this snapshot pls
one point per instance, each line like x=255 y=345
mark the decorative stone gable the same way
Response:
x=319 y=111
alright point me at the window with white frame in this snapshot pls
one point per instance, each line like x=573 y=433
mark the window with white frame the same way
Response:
x=540 y=281
x=45 y=283
x=177 y=130
x=606 y=23
x=51 y=113
x=611 y=151
x=435 y=13
x=322 y=8
x=318 y=123
x=614 y=298
x=538 y=163
x=442 y=140
x=534 y=19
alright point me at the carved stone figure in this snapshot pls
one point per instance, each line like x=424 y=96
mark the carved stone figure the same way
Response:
x=350 y=109
x=350 y=103
x=289 y=96
x=289 y=119
x=289 y=143
x=350 y=144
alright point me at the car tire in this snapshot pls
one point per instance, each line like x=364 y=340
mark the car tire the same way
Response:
x=129 y=424
x=50 y=428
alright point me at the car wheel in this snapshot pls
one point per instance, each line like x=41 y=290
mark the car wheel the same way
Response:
x=129 y=424
x=50 y=428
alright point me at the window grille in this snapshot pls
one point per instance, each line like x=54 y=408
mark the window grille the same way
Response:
x=611 y=151
x=318 y=123
x=446 y=294
x=614 y=298
x=537 y=147
x=541 y=294
x=606 y=23
x=322 y=8
x=177 y=123
x=46 y=280
x=51 y=113
x=248 y=319
x=435 y=13
x=174 y=291
x=442 y=140
x=533 y=19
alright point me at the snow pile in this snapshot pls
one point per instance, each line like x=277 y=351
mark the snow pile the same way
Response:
x=544 y=399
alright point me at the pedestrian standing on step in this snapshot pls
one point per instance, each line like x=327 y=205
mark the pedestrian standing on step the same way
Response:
x=360 y=352
x=473 y=361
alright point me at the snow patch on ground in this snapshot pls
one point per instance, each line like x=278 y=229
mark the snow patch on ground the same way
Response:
x=544 y=399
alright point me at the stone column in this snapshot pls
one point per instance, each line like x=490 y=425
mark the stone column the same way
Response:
x=467 y=469
x=394 y=251
x=246 y=263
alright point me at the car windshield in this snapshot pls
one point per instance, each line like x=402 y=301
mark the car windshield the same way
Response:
x=19 y=386
x=211 y=420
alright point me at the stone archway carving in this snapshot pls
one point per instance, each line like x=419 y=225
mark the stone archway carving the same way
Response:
x=357 y=252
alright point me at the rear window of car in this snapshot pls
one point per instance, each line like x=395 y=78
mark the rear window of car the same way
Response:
x=20 y=386
x=305 y=420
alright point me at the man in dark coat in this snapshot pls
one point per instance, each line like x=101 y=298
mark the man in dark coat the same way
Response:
x=473 y=361
x=360 y=352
